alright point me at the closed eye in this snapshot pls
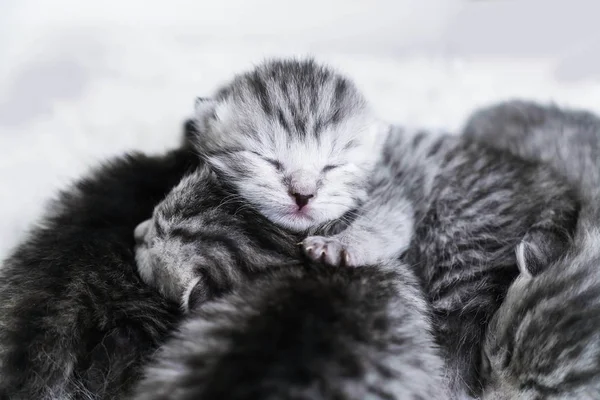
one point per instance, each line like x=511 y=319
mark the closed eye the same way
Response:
x=329 y=168
x=274 y=163
x=278 y=166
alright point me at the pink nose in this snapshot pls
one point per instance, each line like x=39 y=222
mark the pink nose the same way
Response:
x=302 y=199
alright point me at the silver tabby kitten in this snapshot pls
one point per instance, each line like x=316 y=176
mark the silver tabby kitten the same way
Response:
x=298 y=143
x=544 y=341
x=292 y=330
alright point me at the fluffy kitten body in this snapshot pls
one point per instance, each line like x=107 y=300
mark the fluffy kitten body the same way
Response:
x=452 y=208
x=544 y=341
x=305 y=332
x=76 y=321
x=202 y=239
x=473 y=207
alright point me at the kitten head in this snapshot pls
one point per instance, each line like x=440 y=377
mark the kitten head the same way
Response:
x=295 y=139
x=543 y=342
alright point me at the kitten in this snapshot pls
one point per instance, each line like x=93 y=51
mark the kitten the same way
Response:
x=544 y=341
x=202 y=238
x=76 y=321
x=305 y=332
x=297 y=143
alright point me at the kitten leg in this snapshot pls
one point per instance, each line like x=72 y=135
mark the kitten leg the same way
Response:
x=382 y=232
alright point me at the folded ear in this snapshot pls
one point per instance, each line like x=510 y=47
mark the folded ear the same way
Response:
x=524 y=259
x=538 y=249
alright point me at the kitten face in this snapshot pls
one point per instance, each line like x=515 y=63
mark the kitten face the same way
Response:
x=296 y=141
x=543 y=342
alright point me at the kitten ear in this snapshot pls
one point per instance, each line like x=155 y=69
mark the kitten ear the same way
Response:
x=194 y=295
x=538 y=249
x=523 y=251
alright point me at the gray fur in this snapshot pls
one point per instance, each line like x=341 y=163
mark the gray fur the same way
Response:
x=544 y=341
x=305 y=333
x=292 y=127
x=455 y=210
x=201 y=235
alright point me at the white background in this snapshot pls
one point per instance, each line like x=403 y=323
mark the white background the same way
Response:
x=84 y=80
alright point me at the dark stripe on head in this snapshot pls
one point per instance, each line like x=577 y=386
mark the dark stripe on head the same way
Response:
x=340 y=92
x=259 y=88
x=300 y=123
x=418 y=139
x=159 y=229
x=282 y=121
x=435 y=148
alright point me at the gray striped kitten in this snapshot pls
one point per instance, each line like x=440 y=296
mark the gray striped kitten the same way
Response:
x=293 y=330
x=298 y=143
x=544 y=341
x=297 y=330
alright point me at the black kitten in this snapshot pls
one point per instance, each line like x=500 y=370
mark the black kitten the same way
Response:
x=76 y=321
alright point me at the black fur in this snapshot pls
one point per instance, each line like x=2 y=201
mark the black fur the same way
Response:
x=76 y=321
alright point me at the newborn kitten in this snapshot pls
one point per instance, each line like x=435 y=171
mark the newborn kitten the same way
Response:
x=305 y=332
x=76 y=321
x=203 y=239
x=544 y=341
x=297 y=143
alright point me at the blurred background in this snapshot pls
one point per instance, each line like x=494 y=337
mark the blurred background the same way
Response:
x=81 y=81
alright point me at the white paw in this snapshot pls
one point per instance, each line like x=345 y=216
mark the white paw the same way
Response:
x=329 y=250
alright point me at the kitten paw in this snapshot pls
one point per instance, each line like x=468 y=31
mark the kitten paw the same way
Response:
x=328 y=250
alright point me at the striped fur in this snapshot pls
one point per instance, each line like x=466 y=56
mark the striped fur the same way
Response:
x=305 y=333
x=544 y=341
x=202 y=236
x=456 y=210
x=473 y=206
x=76 y=321
x=291 y=127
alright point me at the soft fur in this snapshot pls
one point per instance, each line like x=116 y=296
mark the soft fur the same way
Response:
x=455 y=209
x=203 y=238
x=305 y=333
x=76 y=321
x=291 y=128
x=544 y=341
